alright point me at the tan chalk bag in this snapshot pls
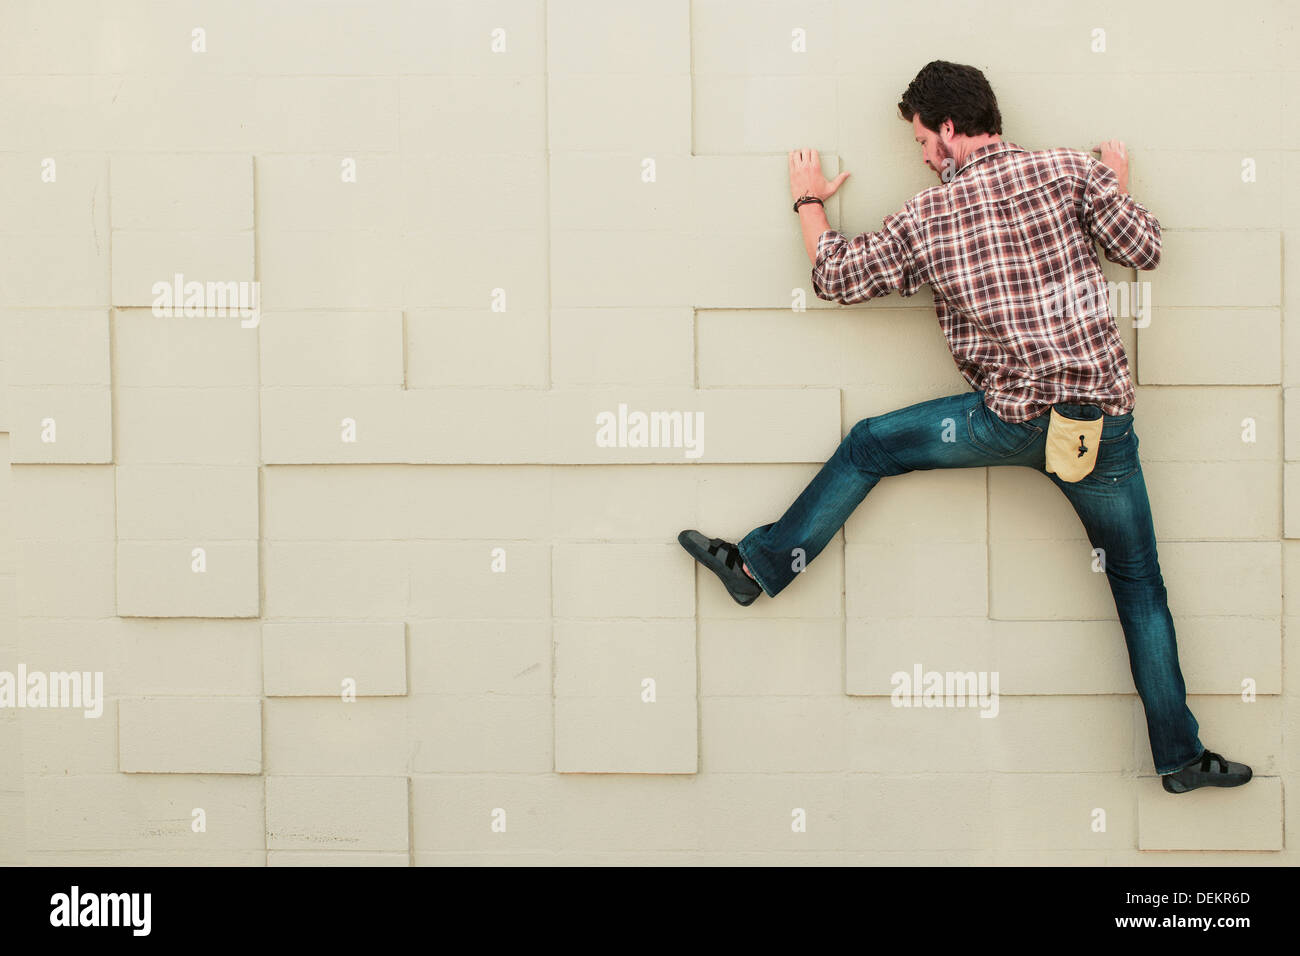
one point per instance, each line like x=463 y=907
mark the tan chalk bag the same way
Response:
x=1072 y=445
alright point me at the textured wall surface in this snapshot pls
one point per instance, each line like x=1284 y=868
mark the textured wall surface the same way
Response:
x=474 y=226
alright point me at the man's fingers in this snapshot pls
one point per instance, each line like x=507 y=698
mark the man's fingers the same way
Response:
x=1115 y=146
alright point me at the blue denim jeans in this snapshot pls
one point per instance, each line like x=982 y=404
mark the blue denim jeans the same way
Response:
x=960 y=431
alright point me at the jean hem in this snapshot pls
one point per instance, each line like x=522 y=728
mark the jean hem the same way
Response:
x=1182 y=766
x=752 y=568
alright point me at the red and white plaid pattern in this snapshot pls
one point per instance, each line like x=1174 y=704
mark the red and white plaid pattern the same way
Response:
x=1007 y=247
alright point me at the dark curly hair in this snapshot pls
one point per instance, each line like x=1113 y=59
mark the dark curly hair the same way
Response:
x=944 y=90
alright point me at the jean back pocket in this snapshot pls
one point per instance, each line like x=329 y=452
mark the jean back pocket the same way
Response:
x=996 y=438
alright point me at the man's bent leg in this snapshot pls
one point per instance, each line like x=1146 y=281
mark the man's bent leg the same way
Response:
x=1113 y=506
x=957 y=431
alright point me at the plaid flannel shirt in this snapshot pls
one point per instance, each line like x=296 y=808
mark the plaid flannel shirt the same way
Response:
x=1007 y=248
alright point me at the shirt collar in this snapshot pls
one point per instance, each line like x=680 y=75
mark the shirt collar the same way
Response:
x=984 y=152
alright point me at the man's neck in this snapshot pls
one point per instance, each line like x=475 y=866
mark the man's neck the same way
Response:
x=961 y=152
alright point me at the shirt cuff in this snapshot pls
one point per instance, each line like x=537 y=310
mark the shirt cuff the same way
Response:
x=825 y=242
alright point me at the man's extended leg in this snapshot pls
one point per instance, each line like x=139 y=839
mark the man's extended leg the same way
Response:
x=1113 y=506
x=956 y=431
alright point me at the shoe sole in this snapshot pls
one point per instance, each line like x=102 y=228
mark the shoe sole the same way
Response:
x=1209 y=783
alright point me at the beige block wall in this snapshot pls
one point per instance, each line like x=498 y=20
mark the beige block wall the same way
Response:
x=359 y=584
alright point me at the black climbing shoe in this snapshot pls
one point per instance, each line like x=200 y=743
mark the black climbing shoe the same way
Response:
x=1207 y=770
x=723 y=559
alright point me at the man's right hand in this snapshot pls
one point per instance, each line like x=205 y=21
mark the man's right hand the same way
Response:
x=1115 y=155
x=806 y=177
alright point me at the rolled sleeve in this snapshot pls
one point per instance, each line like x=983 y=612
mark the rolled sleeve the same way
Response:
x=1124 y=228
x=868 y=266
